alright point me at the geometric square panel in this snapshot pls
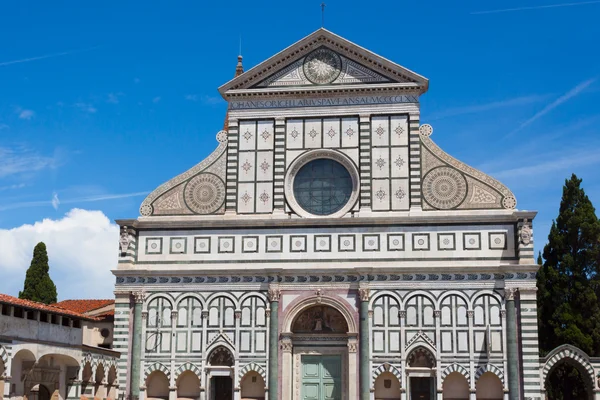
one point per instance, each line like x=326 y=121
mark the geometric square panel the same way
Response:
x=498 y=240
x=396 y=242
x=370 y=242
x=202 y=244
x=178 y=245
x=420 y=241
x=472 y=241
x=154 y=246
x=249 y=244
x=298 y=243
x=446 y=241
x=322 y=243
x=346 y=242
x=226 y=244
x=274 y=244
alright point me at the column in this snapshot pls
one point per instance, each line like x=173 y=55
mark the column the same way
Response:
x=364 y=366
x=438 y=339
x=62 y=382
x=136 y=351
x=404 y=383
x=274 y=295
x=472 y=390
x=286 y=370
x=512 y=354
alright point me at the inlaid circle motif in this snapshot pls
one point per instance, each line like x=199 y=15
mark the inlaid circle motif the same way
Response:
x=204 y=193
x=146 y=210
x=509 y=202
x=322 y=66
x=444 y=188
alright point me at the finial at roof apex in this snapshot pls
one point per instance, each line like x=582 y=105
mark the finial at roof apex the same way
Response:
x=239 y=69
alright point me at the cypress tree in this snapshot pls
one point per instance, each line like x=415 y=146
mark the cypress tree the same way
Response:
x=568 y=308
x=38 y=285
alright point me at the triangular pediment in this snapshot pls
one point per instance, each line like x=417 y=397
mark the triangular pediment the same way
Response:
x=324 y=59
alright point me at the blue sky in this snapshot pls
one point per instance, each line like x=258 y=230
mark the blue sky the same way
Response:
x=101 y=103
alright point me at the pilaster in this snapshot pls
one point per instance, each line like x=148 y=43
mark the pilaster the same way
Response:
x=365 y=162
x=512 y=350
x=274 y=296
x=232 y=166
x=364 y=365
x=136 y=351
x=279 y=166
x=415 y=161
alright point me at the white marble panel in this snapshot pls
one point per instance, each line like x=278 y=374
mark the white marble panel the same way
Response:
x=331 y=133
x=399 y=194
x=462 y=341
x=247 y=135
x=378 y=341
x=380 y=189
x=399 y=130
x=350 y=132
x=246 y=198
x=264 y=166
x=446 y=241
x=352 y=154
x=496 y=341
x=294 y=133
x=312 y=133
x=472 y=241
x=399 y=162
x=420 y=241
x=394 y=341
x=245 y=341
x=446 y=341
x=264 y=197
x=260 y=341
x=181 y=341
x=246 y=166
x=380 y=162
x=380 y=131
x=265 y=135
x=291 y=155
x=479 y=341
x=196 y=341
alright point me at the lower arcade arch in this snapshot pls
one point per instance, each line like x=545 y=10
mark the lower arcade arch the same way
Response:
x=455 y=387
x=570 y=356
x=252 y=386
x=188 y=386
x=387 y=387
x=157 y=386
x=489 y=387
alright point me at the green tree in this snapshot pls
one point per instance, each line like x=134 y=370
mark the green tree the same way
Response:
x=38 y=284
x=568 y=307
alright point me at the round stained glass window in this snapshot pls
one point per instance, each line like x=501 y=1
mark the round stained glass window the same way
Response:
x=322 y=186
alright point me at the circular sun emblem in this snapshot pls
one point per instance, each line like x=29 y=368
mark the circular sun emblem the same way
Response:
x=322 y=66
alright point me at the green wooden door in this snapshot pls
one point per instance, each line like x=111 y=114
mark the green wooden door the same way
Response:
x=321 y=378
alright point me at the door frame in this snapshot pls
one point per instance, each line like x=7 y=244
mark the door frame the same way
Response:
x=348 y=372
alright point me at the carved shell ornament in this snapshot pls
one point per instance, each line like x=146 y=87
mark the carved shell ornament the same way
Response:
x=322 y=66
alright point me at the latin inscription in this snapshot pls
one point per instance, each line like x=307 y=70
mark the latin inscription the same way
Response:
x=322 y=102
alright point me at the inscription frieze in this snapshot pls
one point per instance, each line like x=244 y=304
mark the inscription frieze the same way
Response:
x=323 y=102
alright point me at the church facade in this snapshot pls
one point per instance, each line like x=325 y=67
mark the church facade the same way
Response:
x=328 y=249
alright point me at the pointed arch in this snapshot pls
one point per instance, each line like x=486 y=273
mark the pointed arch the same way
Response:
x=385 y=367
x=489 y=368
x=156 y=366
x=188 y=366
x=251 y=367
x=456 y=368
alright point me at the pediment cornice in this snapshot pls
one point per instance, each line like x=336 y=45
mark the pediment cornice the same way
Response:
x=322 y=37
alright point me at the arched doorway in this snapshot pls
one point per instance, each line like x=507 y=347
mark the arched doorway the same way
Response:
x=489 y=387
x=387 y=387
x=188 y=386
x=157 y=386
x=39 y=392
x=252 y=386
x=319 y=342
x=455 y=387
x=420 y=365
x=220 y=369
x=568 y=371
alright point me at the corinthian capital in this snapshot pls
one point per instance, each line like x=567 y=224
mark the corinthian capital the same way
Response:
x=363 y=293
x=139 y=296
x=510 y=293
x=274 y=294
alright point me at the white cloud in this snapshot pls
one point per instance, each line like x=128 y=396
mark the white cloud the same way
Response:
x=536 y=7
x=4 y=126
x=82 y=249
x=26 y=114
x=191 y=97
x=21 y=159
x=156 y=99
x=112 y=98
x=55 y=201
x=514 y=102
x=86 y=107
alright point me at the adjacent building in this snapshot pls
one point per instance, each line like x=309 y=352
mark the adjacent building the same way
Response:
x=60 y=351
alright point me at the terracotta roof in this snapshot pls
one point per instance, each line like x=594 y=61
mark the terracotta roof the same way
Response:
x=84 y=306
x=34 y=305
x=239 y=69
